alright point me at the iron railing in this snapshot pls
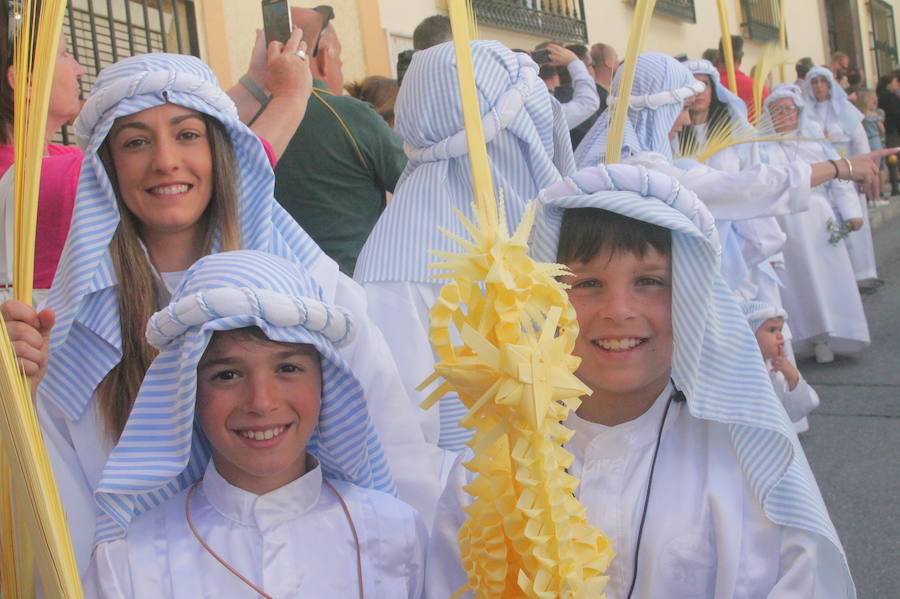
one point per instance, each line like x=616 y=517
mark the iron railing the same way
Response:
x=884 y=39
x=561 y=20
x=102 y=32
x=761 y=18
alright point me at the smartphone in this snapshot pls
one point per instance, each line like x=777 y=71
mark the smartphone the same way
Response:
x=276 y=20
x=541 y=56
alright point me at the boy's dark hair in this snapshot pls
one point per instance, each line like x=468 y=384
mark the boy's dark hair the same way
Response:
x=432 y=31
x=586 y=232
x=255 y=333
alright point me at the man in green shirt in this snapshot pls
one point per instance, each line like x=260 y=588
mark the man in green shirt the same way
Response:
x=334 y=174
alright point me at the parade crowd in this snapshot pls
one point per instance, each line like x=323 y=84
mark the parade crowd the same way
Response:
x=233 y=296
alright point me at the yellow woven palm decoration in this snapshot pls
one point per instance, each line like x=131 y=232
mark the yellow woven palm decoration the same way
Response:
x=526 y=534
x=35 y=537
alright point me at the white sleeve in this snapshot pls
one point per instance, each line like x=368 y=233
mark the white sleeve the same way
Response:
x=75 y=490
x=415 y=465
x=810 y=567
x=763 y=190
x=859 y=141
x=800 y=401
x=585 y=100
x=416 y=583
x=844 y=198
x=108 y=576
x=444 y=574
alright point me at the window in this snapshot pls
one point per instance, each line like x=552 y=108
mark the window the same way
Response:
x=682 y=9
x=561 y=20
x=761 y=18
x=884 y=40
x=103 y=31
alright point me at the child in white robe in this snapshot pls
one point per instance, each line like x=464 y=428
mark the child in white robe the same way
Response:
x=796 y=395
x=287 y=506
x=686 y=458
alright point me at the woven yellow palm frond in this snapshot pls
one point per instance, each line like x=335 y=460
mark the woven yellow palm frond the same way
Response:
x=727 y=50
x=526 y=535
x=35 y=537
x=772 y=56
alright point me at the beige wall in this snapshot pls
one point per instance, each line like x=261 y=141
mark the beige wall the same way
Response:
x=227 y=35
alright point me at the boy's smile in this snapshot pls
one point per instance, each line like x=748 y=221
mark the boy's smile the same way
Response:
x=258 y=404
x=624 y=307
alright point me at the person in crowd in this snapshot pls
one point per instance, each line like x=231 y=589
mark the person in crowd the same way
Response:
x=584 y=101
x=564 y=93
x=802 y=68
x=685 y=456
x=380 y=92
x=59 y=171
x=798 y=398
x=403 y=60
x=432 y=31
x=827 y=315
x=283 y=451
x=158 y=126
x=888 y=91
x=341 y=161
x=528 y=145
x=660 y=108
x=842 y=124
x=873 y=122
x=744 y=82
x=840 y=67
x=605 y=62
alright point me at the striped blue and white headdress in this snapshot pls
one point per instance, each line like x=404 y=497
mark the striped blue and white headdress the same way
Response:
x=848 y=115
x=716 y=360
x=162 y=450
x=527 y=139
x=85 y=342
x=661 y=85
x=758 y=312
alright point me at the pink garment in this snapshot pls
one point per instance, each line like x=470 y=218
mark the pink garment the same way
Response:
x=59 y=180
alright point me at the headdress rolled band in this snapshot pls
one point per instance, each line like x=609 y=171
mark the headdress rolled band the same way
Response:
x=333 y=323
x=663 y=98
x=498 y=118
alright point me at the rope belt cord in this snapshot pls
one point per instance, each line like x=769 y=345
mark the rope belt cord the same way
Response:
x=230 y=568
x=317 y=93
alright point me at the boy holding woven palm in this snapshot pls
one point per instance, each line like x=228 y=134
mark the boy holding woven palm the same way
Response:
x=686 y=459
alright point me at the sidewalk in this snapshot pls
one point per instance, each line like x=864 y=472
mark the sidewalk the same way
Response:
x=882 y=214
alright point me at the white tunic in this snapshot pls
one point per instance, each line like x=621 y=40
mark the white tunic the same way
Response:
x=79 y=449
x=851 y=143
x=820 y=293
x=705 y=535
x=293 y=542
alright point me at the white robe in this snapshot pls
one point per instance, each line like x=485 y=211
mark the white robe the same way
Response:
x=820 y=293
x=293 y=542
x=851 y=143
x=798 y=402
x=79 y=449
x=705 y=534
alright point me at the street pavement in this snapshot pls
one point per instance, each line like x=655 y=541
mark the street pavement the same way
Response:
x=853 y=444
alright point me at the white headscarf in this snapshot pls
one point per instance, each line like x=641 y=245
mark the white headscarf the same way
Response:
x=807 y=128
x=716 y=360
x=758 y=312
x=847 y=115
x=661 y=85
x=162 y=450
x=528 y=145
x=86 y=340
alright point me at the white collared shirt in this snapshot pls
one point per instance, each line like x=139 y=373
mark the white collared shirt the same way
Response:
x=292 y=542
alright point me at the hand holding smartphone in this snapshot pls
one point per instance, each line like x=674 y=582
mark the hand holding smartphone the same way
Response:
x=277 y=20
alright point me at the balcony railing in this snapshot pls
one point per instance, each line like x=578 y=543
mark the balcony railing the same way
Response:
x=561 y=20
x=884 y=39
x=681 y=9
x=761 y=18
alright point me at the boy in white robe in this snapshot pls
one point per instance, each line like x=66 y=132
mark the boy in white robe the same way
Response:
x=289 y=505
x=686 y=458
x=796 y=395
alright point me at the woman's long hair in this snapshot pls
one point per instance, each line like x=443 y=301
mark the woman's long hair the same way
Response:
x=138 y=282
x=717 y=120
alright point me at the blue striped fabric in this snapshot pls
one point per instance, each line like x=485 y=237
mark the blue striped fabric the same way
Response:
x=716 y=360
x=162 y=450
x=526 y=156
x=85 y=342
x=758 y=312
x=848 y=116
x=647 y=130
